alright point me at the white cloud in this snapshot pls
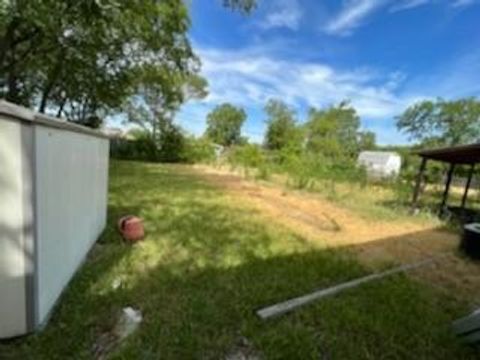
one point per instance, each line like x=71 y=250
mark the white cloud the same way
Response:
x=285 y=13
x=249 y=79
x=462 y=3
x=352 y=15
x=408 y=4
x=355 y=13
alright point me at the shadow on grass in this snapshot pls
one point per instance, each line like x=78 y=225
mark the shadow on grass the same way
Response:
x=204 y=268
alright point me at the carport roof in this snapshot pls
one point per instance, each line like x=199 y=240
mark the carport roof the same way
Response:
x=465 y=154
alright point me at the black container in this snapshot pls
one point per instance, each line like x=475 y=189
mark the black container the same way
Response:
x=470 y=244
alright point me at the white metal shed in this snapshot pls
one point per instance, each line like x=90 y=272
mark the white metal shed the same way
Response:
x=53 y=202
x=380 y=164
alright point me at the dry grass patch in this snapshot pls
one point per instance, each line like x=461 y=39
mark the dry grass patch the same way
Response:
x=376 y=242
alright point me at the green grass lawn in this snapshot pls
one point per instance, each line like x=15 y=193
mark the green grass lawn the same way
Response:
x=207 y=264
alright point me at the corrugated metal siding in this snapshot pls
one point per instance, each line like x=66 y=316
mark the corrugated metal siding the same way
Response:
x=71 y=181
x=53 y=203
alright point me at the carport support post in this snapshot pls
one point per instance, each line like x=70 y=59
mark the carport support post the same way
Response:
x=447 y=188
x=418 y=184
x=467 y=186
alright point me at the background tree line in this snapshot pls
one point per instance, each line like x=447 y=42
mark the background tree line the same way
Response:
x=332 y=132
x=326 y=144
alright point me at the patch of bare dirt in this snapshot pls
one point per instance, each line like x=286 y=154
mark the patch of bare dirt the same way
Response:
x=375 y=243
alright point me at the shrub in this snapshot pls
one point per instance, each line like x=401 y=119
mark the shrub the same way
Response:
x=143 y=149
x=305 y=168
x=199 y=150
x=250 y=157
x=264 y=172
x=171 y=146
x=300 y=170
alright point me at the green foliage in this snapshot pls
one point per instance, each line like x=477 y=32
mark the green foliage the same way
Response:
x=282 y=130
x=251 y=157
x=159 y=97
x=154 y=106
x=440 y=122
x=199 y=150
x=84 y=58
x=333 y=132
x=248 y=155
x=332 y=141
x=143 y=148
x=367 y=140
x=224 y=124
x=264 y=171
x=172 y=144
x=300 y=170
x=304 y=170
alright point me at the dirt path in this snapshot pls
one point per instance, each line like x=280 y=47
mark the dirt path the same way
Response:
x=375 y=243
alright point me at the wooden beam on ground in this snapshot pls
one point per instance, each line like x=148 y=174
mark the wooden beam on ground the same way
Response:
x=295 y=303
x=418 y=183
x=447 y=188
x=467 y=186
x=468 y=328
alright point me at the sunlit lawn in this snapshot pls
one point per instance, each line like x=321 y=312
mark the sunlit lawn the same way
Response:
x=207 y=264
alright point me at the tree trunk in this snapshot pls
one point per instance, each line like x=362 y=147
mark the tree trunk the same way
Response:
x=60 y=109
x=52 y=80
x=12 y=86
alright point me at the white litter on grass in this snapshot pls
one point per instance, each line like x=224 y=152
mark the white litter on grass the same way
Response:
x=242 y=349
x=128 y=322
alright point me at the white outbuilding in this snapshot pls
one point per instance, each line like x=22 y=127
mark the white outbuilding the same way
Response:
x=53 y=207
x=380 y=164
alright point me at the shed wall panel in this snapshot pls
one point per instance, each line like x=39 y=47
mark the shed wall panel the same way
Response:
x=16 y=224
x=71 y=182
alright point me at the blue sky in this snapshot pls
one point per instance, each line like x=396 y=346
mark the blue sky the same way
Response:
x=382 y=55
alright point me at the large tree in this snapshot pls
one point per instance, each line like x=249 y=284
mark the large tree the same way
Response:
x=82 y=59
x=442 y=122
x=224 y=124
x=281 y=126
x=333 y=131
x=159 y=97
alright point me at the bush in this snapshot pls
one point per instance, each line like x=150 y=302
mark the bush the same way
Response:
x=199 y=151
x=300 y=170
x=171 y=146
x=304 y=169
x=143 y=149
x=264 y=172
x=250 y=157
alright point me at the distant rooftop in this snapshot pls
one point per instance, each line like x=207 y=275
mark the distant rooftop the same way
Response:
x=379 y=157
